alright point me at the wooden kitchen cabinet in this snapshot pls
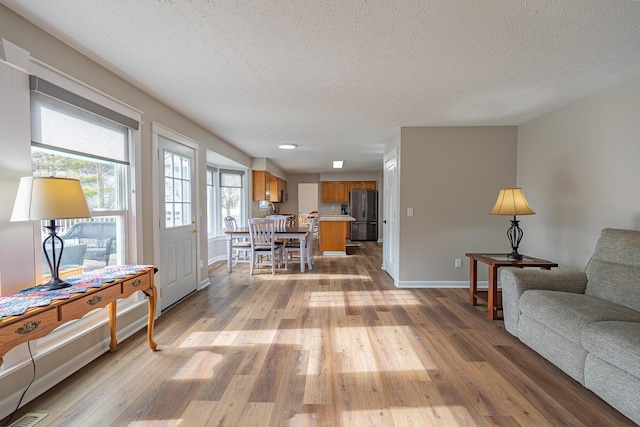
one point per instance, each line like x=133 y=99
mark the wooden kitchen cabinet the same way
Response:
x=261 y=185
x=355 y=185
x=369 y=185
x=335 y=191
x=276 y=187
x=267 y=186
x=338 y=191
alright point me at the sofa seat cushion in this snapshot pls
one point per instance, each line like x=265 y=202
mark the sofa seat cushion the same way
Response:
x=615 y=342
x=568 y=313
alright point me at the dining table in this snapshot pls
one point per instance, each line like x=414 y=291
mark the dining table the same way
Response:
x=290 y=233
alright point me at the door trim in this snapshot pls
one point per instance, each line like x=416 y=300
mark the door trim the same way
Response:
x=392 y=155
x=160 y=130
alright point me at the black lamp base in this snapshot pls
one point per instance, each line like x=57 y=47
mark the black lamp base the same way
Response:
x=514 y=255
x=53 y=284
x=515 y=236
x=54 y=264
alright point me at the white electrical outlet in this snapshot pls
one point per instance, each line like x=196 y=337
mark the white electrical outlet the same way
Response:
x=409 y=211
x=458 y=263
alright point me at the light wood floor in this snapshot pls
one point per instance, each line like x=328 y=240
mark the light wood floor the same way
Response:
x=337 y=346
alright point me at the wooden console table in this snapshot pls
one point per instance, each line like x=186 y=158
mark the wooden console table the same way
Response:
x=37 y=322
x=492 y=296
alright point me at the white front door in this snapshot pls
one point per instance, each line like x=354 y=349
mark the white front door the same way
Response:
x=390 y=219
x=178 y=260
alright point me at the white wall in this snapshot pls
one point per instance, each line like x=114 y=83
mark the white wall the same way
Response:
x=579 y=167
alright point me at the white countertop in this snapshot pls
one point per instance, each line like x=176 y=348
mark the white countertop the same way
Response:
x=342 y=218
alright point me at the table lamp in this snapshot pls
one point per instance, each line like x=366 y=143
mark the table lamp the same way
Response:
x=511 y=201
x=50 y=198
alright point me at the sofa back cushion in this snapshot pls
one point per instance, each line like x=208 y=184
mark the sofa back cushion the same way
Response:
x=613 y=273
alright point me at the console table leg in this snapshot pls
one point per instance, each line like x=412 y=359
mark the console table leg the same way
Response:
x=112 y=326
x=151 y=293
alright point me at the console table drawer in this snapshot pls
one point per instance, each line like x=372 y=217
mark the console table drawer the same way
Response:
x=29 y=328
x=132 y=285
x=81 y=306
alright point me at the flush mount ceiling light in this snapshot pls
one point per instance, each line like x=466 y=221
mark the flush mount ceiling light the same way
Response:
x=287 y=146
x=337 y=164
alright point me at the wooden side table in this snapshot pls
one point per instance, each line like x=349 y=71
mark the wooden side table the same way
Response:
x=492 y=296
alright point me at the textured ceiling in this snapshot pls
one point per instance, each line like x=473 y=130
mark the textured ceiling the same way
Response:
x=339 y=77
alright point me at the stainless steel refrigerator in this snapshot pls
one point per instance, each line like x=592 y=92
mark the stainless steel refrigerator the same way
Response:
x=363 y=206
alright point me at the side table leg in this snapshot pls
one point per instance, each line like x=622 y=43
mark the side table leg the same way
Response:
x=112 y=326
x=473 y=281
x=493 y=292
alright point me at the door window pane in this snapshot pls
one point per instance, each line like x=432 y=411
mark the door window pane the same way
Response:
x=177 y=189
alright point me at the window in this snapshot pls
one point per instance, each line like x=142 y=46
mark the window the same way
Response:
x=76 y=138
x=226 y=195
x=231 y=194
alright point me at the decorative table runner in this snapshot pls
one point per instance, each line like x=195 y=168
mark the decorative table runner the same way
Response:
x=16 y=304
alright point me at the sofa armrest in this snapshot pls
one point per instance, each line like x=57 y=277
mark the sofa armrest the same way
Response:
x=515 y=281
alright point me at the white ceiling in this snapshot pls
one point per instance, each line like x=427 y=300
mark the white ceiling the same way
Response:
x=339 y=77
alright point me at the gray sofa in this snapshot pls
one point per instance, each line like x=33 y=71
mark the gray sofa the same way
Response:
x=586 y=323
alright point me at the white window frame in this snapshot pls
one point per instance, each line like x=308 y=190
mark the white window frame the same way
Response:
x=218 y=220
x=212 y=201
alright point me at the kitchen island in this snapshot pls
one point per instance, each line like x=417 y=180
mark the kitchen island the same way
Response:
x=334 y=230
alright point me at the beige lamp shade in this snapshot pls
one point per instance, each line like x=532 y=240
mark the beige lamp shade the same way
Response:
x=47 y=198
x=511 y=201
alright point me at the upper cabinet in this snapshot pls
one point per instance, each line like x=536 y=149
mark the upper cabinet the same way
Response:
x=276 y=187
x=369 y=185
x=355 y=185
x=338 y=191
x=267 y=186
x=335 y=191
x=261 y=185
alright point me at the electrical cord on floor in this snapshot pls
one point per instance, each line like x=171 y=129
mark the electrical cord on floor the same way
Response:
x=33 y=364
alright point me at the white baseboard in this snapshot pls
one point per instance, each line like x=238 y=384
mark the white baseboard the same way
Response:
x=334 y=253
x=204 y=283
x=217 y=258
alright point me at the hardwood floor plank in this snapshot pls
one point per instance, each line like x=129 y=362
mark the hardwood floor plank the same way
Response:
x=339 y=345
x=230 y=409
x=198 y=413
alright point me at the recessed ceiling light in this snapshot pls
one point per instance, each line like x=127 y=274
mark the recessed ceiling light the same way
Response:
x=287 y=146
x=337 y=164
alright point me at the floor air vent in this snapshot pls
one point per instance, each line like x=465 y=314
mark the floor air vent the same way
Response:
x=28 y=420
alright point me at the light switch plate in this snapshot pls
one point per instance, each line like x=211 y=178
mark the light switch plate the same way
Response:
x=409 y=211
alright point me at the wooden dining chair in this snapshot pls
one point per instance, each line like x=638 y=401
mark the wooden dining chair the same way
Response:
x=240 y=246
x=262 y=233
